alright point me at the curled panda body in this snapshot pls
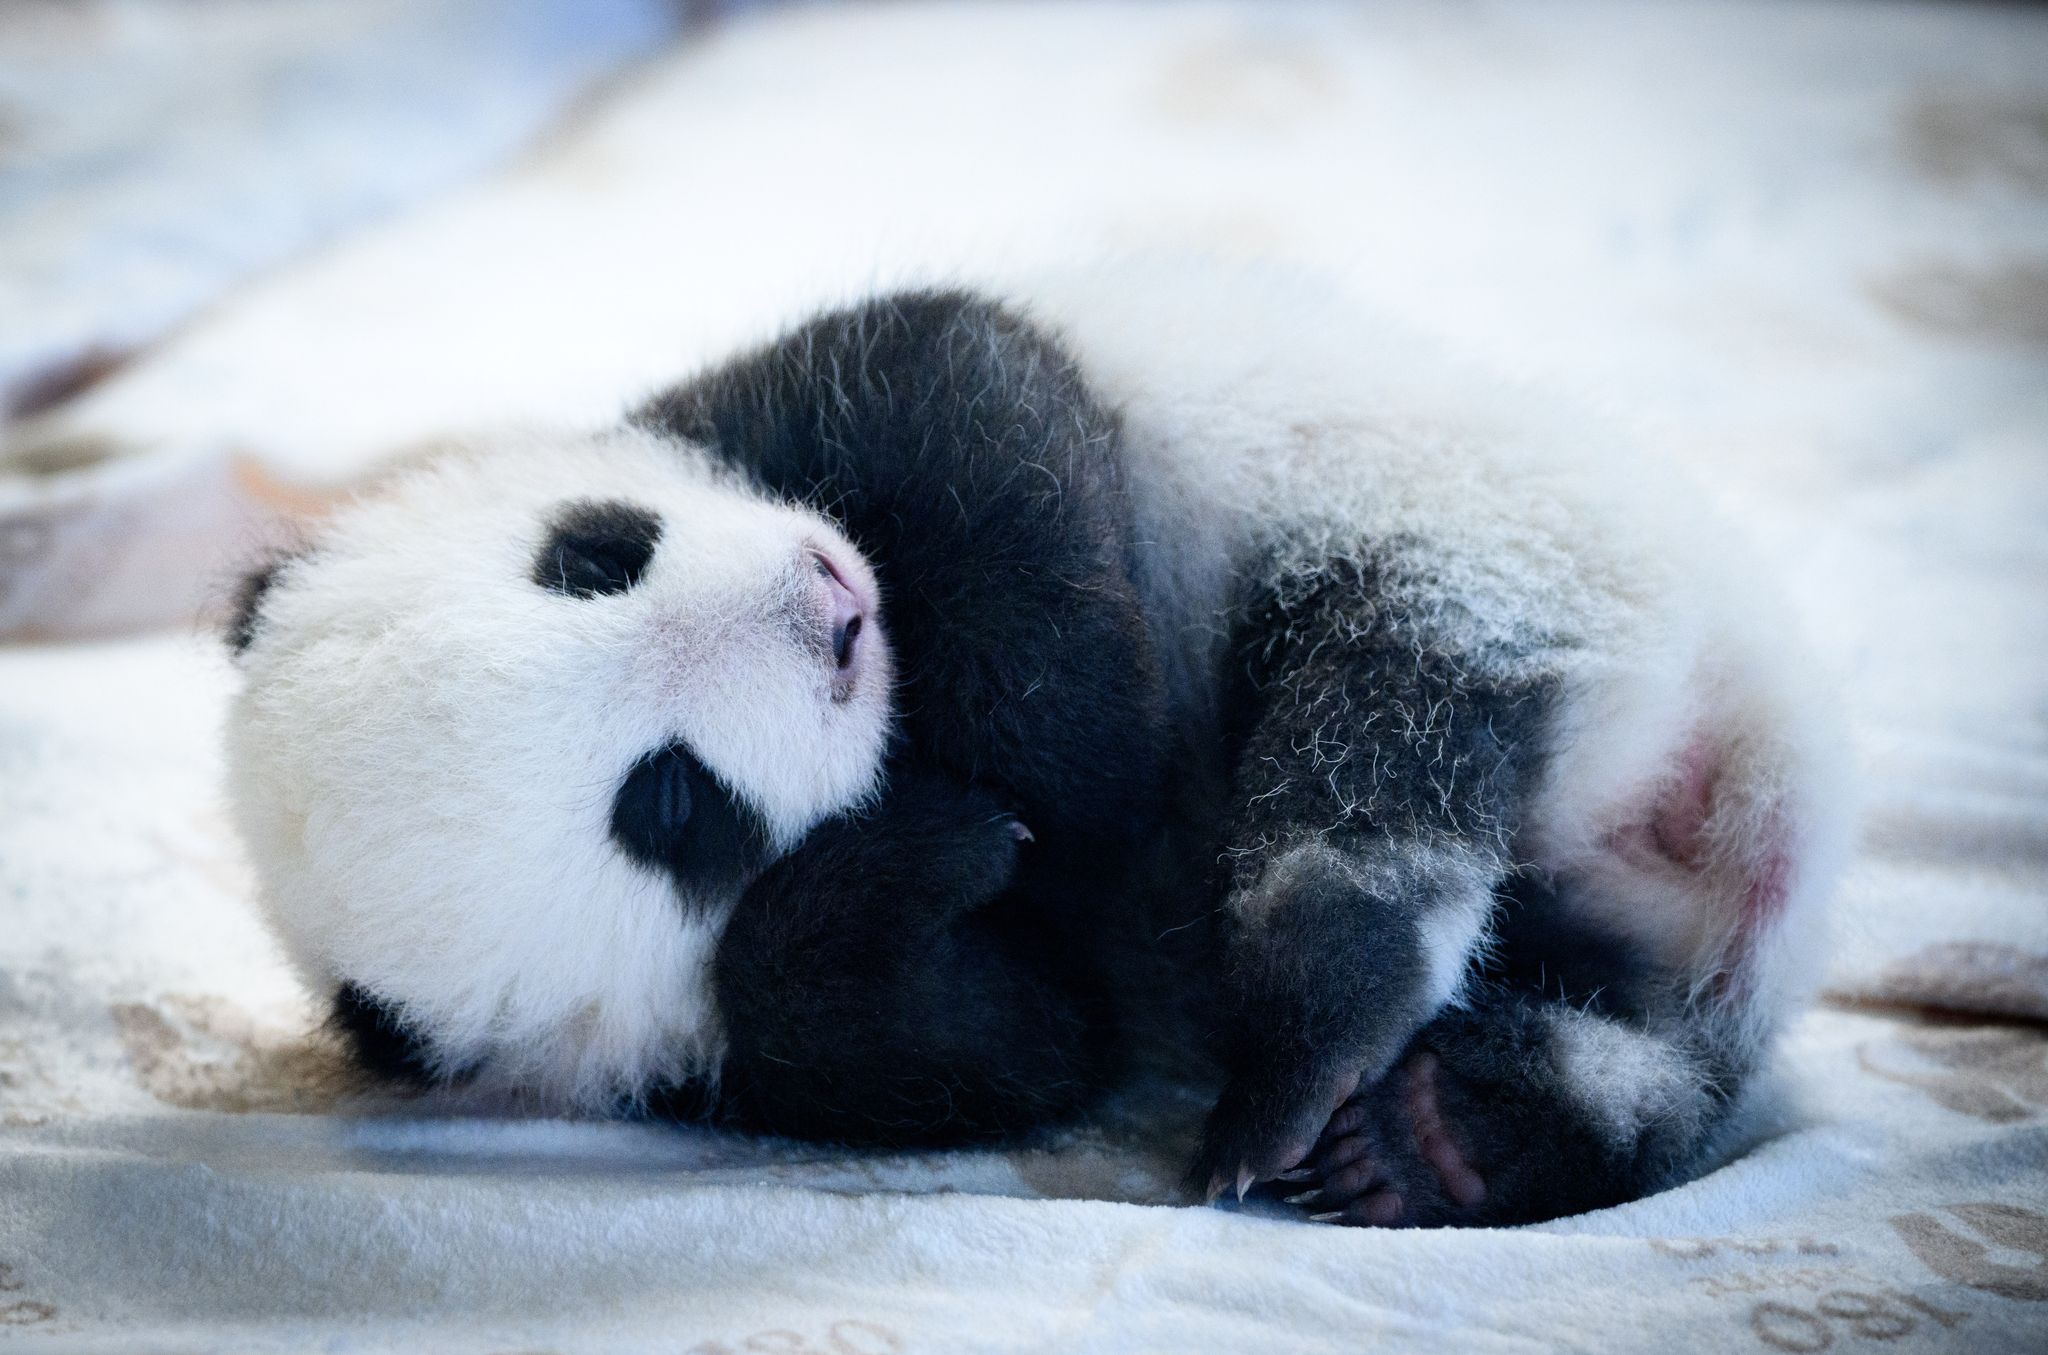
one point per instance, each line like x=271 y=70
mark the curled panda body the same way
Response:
x=562 y=772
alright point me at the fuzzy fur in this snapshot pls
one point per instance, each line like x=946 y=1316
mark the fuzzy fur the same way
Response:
x=1450 y=678
x=427 y=747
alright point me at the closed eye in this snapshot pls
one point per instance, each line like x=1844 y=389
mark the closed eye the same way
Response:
x=596 y=548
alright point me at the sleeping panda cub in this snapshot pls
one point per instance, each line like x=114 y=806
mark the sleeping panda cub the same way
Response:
x=820 y=748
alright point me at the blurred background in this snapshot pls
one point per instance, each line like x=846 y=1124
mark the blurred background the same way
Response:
x=248 y=246
x=157 y=152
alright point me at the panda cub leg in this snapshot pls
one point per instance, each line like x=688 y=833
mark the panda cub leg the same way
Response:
x=1621 y=1007
x=1512 y=1108
x=1422 y=1030
x=1373 y=804
x=899 y=979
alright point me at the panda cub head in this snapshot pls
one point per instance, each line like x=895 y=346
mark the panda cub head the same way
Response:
x=516 y=730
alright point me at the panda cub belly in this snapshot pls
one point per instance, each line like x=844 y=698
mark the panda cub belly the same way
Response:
x=802 y=750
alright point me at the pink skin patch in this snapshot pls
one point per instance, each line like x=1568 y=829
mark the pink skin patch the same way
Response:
x=1678 y=823
x=1770 y=879
x=1766 y=887
x=1678 y=827
x=1433 y=1139
x=1674 y=832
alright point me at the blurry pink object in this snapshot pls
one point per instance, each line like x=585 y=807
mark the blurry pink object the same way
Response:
x=133 y=541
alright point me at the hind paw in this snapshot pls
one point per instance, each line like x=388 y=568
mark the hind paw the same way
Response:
x=1482 y=1122
x=1391 y=1157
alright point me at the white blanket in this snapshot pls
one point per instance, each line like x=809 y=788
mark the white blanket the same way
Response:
x=1802 y=246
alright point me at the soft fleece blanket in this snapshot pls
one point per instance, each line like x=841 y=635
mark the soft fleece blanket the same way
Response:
x=1803 y=246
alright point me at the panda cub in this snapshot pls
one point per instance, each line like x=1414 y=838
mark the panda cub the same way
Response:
x=823 y=748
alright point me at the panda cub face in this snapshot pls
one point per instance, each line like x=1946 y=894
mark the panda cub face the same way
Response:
x=521 y=725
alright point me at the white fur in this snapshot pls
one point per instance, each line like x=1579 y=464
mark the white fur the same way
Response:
x=1625 y=1081
x=1448 y=935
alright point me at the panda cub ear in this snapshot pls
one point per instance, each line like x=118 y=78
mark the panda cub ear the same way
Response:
x=245 y=614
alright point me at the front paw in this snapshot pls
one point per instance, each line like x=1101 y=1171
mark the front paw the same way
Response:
x=927 y=841
x=962 y=839
x=1269 y=1119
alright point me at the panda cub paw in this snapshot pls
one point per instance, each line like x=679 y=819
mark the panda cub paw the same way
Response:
x=1472 y=1127
x=1391 y=1157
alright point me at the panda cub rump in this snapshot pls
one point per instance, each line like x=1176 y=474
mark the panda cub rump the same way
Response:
x=1499 y=709
x=1507 y=810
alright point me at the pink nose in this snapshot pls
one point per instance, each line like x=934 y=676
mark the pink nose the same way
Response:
x=847 y=614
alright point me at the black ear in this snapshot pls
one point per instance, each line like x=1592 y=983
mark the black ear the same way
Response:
x=671 y=813
x=247 y=612
x=379 y=1039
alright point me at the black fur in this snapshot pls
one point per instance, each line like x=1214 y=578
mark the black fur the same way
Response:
x=1374 y=779
x=1342 y=719
x=896 y=981
x=379 y=1040
x=245 y=613
x=962 y=453
x=1541 y=952
x=671 y=814
x=900 y=978
x=596 y=548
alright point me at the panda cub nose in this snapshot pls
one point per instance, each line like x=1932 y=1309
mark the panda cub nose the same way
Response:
x=845 y=616
x=843 y=635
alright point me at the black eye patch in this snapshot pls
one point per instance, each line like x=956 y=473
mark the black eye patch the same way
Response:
x=671 y=814
x=595 y=548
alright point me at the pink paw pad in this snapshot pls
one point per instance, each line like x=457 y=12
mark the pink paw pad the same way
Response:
x=1359 y=1175
x=1433 y=1140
